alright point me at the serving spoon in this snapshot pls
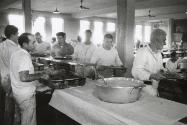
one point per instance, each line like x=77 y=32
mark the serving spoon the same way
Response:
x=102 y=77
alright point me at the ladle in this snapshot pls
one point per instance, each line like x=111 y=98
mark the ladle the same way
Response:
x=102 y=77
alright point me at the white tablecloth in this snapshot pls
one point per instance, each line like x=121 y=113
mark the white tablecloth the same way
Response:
x=81 y=105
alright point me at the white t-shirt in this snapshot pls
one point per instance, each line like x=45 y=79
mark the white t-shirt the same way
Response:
x=21 y=61
x=6 y=49
x=43 y=48
x=105 y=57
x=83 y=52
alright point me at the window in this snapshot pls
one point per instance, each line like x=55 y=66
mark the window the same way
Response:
x=84 y=25
x=57 y=25
x=98 y=33
x=147 y=33
x=39 y=26
x=111 y=27
x=138 y=33
x=18 y=21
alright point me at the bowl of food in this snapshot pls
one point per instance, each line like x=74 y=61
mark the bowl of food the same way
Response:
x=118 y=89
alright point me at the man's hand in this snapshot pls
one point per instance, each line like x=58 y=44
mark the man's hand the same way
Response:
x=45 y=76
x=49 y=71
x=101 y=68
x=157 y=76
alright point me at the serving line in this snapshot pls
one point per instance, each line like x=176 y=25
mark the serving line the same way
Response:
x=82 y=105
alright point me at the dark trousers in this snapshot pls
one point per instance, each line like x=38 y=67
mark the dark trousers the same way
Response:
x=7 y=108
x=173 y=90
x=2 y=105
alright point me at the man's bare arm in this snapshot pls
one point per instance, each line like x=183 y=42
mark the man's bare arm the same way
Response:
x=26 y=77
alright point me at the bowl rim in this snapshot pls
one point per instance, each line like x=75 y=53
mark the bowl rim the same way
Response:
x=121 y=87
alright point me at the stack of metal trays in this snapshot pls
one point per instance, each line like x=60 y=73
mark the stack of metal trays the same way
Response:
x=62 y=83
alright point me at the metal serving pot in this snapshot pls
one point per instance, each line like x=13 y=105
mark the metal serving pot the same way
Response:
x=119 y=90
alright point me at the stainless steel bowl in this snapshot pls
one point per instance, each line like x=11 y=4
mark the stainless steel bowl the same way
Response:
x=119 y=90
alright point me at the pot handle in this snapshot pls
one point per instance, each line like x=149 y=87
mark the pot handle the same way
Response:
x=141 y=86
x=132 y=90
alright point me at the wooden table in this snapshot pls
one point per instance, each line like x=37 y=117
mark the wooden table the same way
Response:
x=83 y=106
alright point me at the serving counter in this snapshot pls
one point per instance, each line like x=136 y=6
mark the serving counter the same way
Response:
x=82 y=105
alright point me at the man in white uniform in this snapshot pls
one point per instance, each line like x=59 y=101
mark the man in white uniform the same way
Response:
x=23 y=79
x=83 y=52
x=148 y=61
x=7 y=47
x=41 y=47
x=106 y=56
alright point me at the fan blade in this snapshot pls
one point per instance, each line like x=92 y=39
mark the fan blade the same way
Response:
x=86 y=8
x=151 y=16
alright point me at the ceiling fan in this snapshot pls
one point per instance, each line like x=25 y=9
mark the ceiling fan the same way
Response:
x=149 y=14
x=83 y=7
x=56 y=11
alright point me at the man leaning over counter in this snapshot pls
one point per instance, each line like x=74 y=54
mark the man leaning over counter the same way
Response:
x=106 y=56
x=61 y=48
x=41 y=47
x=148 y=63
x=23 y=79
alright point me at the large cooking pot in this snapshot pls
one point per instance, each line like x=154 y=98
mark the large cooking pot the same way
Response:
x=118 y=90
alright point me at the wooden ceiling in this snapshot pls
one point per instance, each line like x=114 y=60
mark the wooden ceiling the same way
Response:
x=107 y=8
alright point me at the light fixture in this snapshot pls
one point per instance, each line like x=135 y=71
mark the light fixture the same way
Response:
x=56 y=11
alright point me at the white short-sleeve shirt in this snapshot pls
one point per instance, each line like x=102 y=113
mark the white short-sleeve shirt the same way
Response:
x=105 y=57
x=6 y=49
x=43 y=47
x=83 y=52
x=21 y=61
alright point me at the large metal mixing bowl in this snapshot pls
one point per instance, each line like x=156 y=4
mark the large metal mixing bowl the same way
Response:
x=118 y=90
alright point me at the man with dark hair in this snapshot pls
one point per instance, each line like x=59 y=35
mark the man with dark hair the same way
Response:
x=7 y=47
x=9 y=30
x=106 y=56
x=23 y=79
x=62 y=48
